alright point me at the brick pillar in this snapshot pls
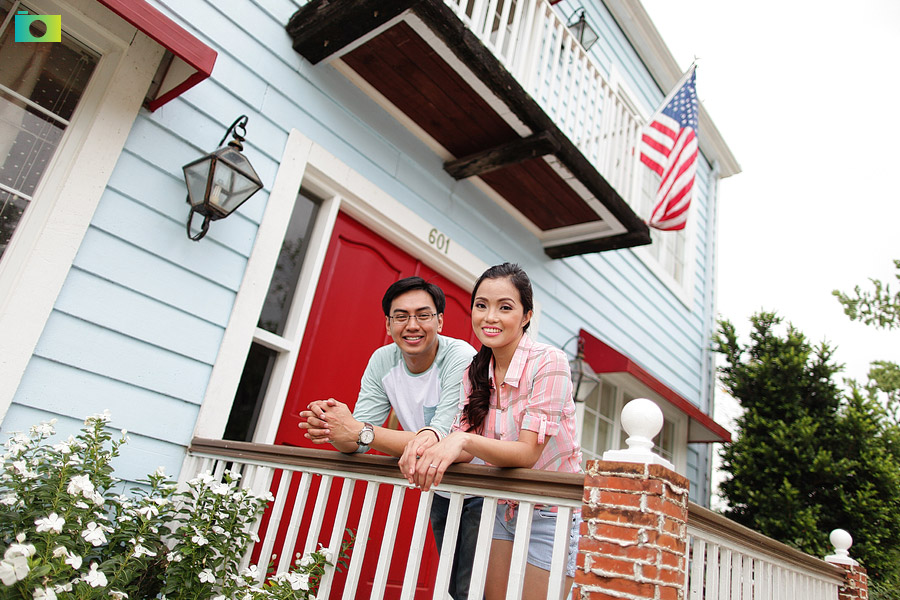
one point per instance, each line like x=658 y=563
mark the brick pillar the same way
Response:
x=856 y=583
x=634 y=535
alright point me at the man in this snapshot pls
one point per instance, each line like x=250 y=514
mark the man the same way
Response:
x=420 y=377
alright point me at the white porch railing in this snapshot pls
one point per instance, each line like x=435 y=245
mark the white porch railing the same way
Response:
x=731 y=562
x=301 y=478
x=535 y=45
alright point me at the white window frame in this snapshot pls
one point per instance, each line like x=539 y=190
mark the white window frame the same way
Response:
x=305 y=163
x=43 y=247
x=627 y=385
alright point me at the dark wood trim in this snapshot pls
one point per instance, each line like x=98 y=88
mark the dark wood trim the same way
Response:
x=569 y=486
x=615 y=242
x=321 y=28
x=723 y=527
x=533 y=146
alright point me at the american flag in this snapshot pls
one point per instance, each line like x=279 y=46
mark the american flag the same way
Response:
x=669 y=147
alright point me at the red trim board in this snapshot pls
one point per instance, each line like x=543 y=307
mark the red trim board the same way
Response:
x=605 y=359
x=199 y=57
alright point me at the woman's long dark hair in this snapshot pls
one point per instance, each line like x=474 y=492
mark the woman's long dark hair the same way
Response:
x=479 y=379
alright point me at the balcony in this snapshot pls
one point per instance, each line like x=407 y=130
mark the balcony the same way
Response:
x=319 y=493
x=506 y=95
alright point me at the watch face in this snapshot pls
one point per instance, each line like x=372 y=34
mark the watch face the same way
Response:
x=366 y=436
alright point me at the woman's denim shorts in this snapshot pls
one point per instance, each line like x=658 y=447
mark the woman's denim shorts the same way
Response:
x=540 y=544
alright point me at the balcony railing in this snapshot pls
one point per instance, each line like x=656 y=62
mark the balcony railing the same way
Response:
x=314 y=500
x=306 y=510
x=731 y=562
x=536 y=47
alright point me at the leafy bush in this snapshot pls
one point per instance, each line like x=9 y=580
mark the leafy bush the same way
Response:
x=64 y=533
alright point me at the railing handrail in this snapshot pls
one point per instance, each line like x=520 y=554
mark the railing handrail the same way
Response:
x=565 y=486
x=704 y=520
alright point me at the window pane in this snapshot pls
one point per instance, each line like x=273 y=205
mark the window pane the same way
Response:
x=287 y=271
x=40 y=86
x=587 y=435
x=250 y=394
x=608 y=401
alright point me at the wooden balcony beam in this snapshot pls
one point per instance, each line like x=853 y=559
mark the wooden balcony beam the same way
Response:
x=533 y=146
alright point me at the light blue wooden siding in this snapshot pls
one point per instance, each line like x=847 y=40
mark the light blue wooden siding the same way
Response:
x=139 y=322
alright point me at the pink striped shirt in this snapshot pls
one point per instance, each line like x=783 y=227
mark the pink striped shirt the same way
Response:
x=536 y=395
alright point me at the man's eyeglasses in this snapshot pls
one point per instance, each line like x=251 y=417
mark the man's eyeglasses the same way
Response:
x=419 y=317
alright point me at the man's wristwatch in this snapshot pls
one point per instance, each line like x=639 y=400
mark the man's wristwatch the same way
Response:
x=366 y=436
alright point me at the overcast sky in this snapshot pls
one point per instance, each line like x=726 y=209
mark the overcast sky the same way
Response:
x=805 y=94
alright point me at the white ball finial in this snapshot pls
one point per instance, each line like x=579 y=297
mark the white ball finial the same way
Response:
x=642 y=420
x=841 y=540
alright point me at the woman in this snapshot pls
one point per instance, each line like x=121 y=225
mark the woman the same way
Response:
x=516 y=411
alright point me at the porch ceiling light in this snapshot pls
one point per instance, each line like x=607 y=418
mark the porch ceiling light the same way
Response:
x=583 y=32
x=220 y=182
x=584 y=379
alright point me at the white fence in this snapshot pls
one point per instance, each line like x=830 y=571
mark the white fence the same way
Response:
x=731 y=562
x=308 y=507
x=535 y=45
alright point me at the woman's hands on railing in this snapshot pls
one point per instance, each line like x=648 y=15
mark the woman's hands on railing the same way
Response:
x=424 y=466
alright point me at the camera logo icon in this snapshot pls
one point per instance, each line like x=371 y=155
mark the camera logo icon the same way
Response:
x=38 y=28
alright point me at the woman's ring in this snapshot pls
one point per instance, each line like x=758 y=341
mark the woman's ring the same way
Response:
x=432 y=466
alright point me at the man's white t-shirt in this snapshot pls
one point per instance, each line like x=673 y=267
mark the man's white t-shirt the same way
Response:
x=418 y=399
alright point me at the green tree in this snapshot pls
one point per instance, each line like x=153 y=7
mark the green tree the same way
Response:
x=877 y=307
x=808 y=457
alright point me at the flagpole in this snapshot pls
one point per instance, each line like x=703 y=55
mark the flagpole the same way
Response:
x=673 y=91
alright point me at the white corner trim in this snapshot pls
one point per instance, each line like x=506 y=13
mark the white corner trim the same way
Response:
x=38 y=261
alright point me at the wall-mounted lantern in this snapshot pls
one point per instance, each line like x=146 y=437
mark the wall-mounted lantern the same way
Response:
x=582 y=31
x=220 y=182
x=584 y=379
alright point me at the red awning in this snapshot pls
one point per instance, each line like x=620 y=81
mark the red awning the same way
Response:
x=604 y=359
x=192 y=59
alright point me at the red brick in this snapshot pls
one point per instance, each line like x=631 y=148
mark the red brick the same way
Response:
x=671 y=476
x=595 y=595
x=616 y=584
x=619 y=515
x=615 y=532
x=657 y=504
x=620 y=499
x=608 y=564
x=635 y=484
x=674 y=526
x=599 y=547
x=666 y=541
x=670 y=593
x=602 y=467
x=671 y=559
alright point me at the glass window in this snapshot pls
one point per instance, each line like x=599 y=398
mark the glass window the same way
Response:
x=666 y=247
x=261 y=360
x=40 y=86
x=287 y=270
x=599 y=421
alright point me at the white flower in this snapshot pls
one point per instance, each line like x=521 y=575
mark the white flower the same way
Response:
x=60 y=551
x=44 y=594
x=63 y=588
x=9 y=499
x=19 y=549
x=148 y=512
x=13 y=569
x=299 y=581
x=221 y=489
x=206 y=576
x=325 y=552
x=51 y=523
x=251 y=572
x=160 y=471
x=199 y=539
x=103 y=417
x=139 y=551
x=63 y=447
x=118 y=595
x=74 y=561
x=94 y=577
x=306 y=561
x=174 y=557
x=44 y=429
x=81 y=484
x=81 y=505
x=94 y=534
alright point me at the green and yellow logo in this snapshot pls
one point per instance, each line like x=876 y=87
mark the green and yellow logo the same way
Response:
x=38 y=28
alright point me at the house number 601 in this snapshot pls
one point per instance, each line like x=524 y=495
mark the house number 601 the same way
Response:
x=439 y=240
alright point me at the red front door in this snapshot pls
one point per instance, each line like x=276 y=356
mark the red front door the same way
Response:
x=346 y=324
